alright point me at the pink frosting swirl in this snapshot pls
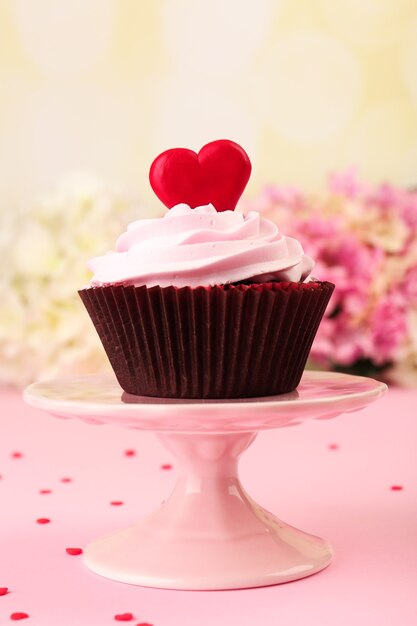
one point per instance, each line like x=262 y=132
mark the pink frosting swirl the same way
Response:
x=201 y=247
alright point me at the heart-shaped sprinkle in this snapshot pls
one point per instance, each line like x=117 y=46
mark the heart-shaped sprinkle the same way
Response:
x=17 y=455
x=116 y=502
x=45 y=491
x=18 y=615
x=217 y=175
x=123 y=617
x=43 y=520
x=130 y=452
x=396 y=487
x=166 y=466
x=73 y=551
x=66 y=480
x=3 y=591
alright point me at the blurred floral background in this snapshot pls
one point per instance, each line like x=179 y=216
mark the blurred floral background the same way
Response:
x=321 y=93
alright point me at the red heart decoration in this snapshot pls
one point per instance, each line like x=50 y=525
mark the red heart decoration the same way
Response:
x=217 y=174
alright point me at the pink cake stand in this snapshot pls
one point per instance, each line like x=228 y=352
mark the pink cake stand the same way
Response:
x=209 y=534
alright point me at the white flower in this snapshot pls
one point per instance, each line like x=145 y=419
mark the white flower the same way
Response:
x=44 y=328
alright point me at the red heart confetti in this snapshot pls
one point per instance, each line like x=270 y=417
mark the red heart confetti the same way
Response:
x=333 y=446
x=73 y=551
x=144 y=624
x=217 y=175
x=18 y=615
x=116 y=502
x=3 y=591
x=66 y=480
x=166 y=466
x=123 y=617
x=130 y=452
x=17 y=455
x=397 y=487
x=45 y=491
x=43 y=520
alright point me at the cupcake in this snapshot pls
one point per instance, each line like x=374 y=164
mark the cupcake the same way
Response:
x=205 y=302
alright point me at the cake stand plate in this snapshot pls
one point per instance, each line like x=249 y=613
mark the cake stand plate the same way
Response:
x=209 y=534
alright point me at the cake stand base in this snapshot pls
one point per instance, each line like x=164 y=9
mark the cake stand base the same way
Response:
x=209 y=534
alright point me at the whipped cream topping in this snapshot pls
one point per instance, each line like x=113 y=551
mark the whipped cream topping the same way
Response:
x=201 y=247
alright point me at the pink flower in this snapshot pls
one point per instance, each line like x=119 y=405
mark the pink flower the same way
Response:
x=338 y=343
x=388 y=329
x=408 y=287
x=364 y=240
x=286 y=196
x=346 y=183
x=385 y=196
x=409 y=209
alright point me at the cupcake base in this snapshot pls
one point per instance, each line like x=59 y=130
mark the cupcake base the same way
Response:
x=227 y=341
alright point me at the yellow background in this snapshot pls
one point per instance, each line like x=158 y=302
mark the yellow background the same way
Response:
x=304 y=85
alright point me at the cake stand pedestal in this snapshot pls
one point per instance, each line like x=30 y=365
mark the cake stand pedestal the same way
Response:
x=209 y=534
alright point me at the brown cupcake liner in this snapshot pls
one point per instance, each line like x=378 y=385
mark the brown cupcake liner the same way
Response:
x=231 y=341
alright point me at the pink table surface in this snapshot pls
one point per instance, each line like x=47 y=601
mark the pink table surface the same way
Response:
x=333 y=478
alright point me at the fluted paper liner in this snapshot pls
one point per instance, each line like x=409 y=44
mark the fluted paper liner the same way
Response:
x=231 y=341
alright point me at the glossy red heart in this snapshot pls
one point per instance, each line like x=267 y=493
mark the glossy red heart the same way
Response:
x=217 y=174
